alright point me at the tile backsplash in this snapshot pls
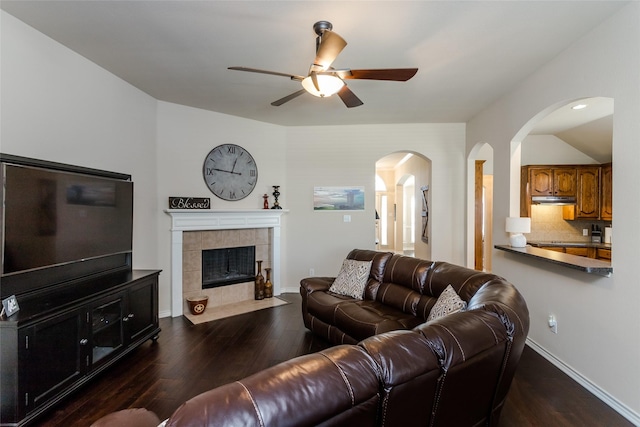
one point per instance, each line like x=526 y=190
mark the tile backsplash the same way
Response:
x=547 y=225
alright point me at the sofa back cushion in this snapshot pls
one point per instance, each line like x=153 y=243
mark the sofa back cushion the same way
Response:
x=403 y=286
x=464 y=281
x=413 y=285
x=378 y=261
x=409 y=375
x=472 y=348
x=337 y=386
x=502 y=298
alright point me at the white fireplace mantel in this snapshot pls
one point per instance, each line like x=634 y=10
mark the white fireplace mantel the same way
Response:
x=219 y=219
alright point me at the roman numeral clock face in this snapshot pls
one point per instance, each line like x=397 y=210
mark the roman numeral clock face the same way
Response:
x=230 y=172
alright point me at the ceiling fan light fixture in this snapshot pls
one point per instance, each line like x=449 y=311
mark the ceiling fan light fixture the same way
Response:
x=329 y=85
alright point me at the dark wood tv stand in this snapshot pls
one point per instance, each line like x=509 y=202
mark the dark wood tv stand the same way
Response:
x=62 y=338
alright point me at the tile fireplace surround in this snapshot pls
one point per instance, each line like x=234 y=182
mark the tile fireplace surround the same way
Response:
x=192 y=231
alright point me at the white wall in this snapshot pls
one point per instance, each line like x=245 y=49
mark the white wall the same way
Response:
x=58 y=106
x=551 y=150
x=346 y=155
x=598 y=337
x=185 y=137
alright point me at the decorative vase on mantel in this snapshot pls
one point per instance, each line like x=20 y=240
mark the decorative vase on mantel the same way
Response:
x=268 y=286
x=259 y=283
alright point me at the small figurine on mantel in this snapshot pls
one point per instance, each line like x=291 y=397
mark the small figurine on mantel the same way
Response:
x=265 y=205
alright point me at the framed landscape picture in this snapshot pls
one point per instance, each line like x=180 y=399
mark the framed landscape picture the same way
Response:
x=338 y=198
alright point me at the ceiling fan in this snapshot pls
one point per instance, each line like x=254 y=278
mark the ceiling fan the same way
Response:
x=324 y=80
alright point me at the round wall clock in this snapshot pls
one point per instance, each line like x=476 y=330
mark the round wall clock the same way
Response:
x=230 y=172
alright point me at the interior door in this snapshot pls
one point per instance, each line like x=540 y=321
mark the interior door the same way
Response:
x=478 y=234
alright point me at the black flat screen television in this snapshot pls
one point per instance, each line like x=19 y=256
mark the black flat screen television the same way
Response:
x=59 y=225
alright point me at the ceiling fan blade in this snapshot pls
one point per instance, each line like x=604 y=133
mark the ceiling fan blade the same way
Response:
x=288 y=98
x=349 y=98
x=395 y=74
x=275 y=73
x=330 y=46
x=314 y=79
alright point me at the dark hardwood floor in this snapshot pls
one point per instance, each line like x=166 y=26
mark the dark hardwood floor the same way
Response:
x=187 y=360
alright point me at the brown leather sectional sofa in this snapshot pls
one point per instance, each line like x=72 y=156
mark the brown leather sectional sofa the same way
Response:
x=453 y=371
x=473 y=354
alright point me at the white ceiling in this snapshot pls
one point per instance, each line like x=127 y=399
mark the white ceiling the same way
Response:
x=469 y=53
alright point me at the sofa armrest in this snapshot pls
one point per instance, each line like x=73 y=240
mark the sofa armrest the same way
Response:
x=313 y=284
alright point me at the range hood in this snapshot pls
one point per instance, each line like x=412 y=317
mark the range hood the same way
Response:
x=553 y=200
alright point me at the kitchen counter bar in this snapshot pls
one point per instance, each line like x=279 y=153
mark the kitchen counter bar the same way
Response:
x=588 y=265
x=554 y=244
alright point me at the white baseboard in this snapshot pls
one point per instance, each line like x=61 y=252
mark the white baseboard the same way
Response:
x=598 y=392
x=164 y=313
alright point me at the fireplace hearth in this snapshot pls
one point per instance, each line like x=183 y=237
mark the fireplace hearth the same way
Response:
x=228 y=266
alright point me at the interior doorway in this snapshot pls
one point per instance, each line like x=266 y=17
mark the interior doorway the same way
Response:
x=406 y=225
x=483 y=218
x=401 y=225
x=481 y=163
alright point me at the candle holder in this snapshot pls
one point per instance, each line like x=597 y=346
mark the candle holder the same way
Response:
x=276 y=194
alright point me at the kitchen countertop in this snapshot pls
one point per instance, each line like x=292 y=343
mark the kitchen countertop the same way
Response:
x=587 y=265
x=558 y=244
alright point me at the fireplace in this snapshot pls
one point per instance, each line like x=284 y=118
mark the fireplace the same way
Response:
x=228 y=266
x=193 y=231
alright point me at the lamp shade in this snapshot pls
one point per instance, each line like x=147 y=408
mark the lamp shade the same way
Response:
x=518 y=225
x=327 y=84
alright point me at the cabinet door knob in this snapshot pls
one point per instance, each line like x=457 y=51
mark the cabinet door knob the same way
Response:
x=84 y=341
x=131 y=316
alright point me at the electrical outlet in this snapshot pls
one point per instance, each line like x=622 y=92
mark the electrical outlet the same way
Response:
x=585 y=231
x=312 y=272
x=553 y=324
x=346 y=218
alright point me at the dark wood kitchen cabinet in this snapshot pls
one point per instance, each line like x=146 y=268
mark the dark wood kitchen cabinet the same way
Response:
x=587 y=195
x=591 y=185
x=554 y=181
x=585 y=251
x=59 y=341
x=560 y=181
x=604 y=254
x=606 y=192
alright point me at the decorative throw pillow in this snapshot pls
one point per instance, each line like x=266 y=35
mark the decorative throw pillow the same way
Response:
x=448 y=303
x=352 y=278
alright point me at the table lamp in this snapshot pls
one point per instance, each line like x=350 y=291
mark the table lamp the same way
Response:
x=516 y=226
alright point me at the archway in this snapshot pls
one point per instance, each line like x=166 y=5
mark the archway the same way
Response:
x=402 y=223
x=565 y=135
